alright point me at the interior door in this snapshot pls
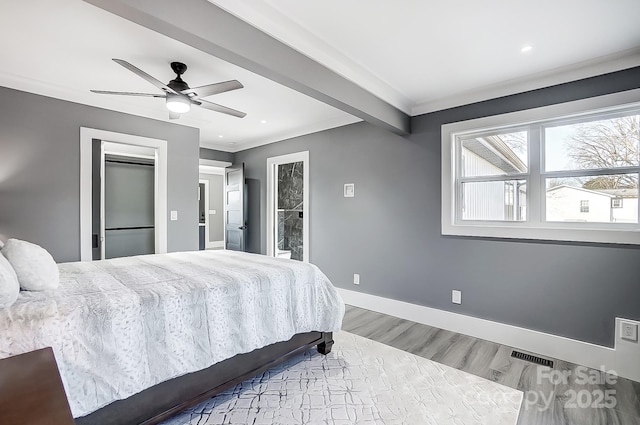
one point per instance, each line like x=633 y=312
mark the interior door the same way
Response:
x=235 y=224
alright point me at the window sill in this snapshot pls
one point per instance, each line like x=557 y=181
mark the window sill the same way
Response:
x=626 y=236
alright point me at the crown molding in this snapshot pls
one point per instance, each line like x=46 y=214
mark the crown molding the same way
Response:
x=602 y=65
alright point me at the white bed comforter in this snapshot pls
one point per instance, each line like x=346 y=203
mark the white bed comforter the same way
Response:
x=120 y=326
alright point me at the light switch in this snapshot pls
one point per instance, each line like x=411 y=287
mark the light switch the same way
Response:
x=349 y=190
x=174 y=215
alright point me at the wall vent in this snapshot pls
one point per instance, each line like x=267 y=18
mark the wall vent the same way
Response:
x=532 y=359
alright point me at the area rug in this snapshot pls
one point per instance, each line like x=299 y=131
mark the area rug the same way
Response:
x=360 y=382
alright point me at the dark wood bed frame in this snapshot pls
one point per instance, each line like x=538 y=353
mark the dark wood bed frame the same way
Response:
x=164 y=400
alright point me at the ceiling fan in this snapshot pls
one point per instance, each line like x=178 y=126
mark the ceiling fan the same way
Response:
x=179 y=96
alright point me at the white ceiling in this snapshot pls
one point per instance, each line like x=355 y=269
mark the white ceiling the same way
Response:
x=426 y=55
x=417 y=55
x=64 y=48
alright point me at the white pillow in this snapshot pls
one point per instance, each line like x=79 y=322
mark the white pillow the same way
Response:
x=9 y=286
x=34 y=266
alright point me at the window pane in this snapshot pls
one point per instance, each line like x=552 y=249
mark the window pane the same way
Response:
x=595 y=199
x=609 y=143
x=501 y=200
x=500 y=154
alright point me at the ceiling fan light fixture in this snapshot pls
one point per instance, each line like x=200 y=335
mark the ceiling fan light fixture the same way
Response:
x=178 y=104
x=178 y=95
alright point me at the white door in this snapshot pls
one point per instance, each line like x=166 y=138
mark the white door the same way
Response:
x=235 y=224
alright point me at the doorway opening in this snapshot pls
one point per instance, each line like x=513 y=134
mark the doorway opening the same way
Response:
x=288 y=206
x=139 y=152
x=126 y=212
x=211 y=204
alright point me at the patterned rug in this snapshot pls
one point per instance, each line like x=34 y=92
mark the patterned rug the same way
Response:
x=360 y=382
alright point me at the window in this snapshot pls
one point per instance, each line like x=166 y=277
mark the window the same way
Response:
x=489 y=163
x=584 y=206
x=558 y=172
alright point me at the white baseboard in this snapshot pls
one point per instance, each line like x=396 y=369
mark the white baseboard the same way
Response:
x=558 y=347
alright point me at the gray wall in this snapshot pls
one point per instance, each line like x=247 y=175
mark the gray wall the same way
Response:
x=216 y=155
x=40 y=170
x=390 y=232
x=216 y=202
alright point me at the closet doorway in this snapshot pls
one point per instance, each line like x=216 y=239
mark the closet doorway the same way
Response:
x=123 y=200
x=288 y=206
x=127 y=214
x=115 y=223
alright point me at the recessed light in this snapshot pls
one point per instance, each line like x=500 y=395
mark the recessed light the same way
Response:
x=220 y=136
x=526 y=48
x=263 y=122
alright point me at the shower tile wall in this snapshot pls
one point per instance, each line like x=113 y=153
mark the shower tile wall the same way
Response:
x=290 y=203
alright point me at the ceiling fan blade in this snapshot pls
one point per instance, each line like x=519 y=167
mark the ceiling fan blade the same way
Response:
x=124 y=93
x=219 y=108
x=174 y=115
x=211 y=89
x=149 y=78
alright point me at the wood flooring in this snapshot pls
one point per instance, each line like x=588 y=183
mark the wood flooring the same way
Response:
x=565 y=395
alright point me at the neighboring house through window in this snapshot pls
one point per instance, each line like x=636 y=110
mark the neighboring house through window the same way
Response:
x=584 y=206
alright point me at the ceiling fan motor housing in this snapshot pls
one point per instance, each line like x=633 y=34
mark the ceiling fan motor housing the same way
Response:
x=178 y=83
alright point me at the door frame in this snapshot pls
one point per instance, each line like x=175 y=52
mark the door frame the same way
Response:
x=272 y=184
x=211 y=166
x=206 y=210
x=161 y=157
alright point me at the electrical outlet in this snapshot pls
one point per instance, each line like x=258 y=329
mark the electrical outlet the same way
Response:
x=456 y=297
x=356 y=279
x=629 y=331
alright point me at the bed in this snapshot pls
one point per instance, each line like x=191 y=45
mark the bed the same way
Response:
x=137 y=339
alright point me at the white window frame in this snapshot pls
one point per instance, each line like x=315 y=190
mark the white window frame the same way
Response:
x=535 y=227
x=483 y=178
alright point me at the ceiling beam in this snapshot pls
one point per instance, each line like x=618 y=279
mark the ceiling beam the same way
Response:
x=209 y=28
